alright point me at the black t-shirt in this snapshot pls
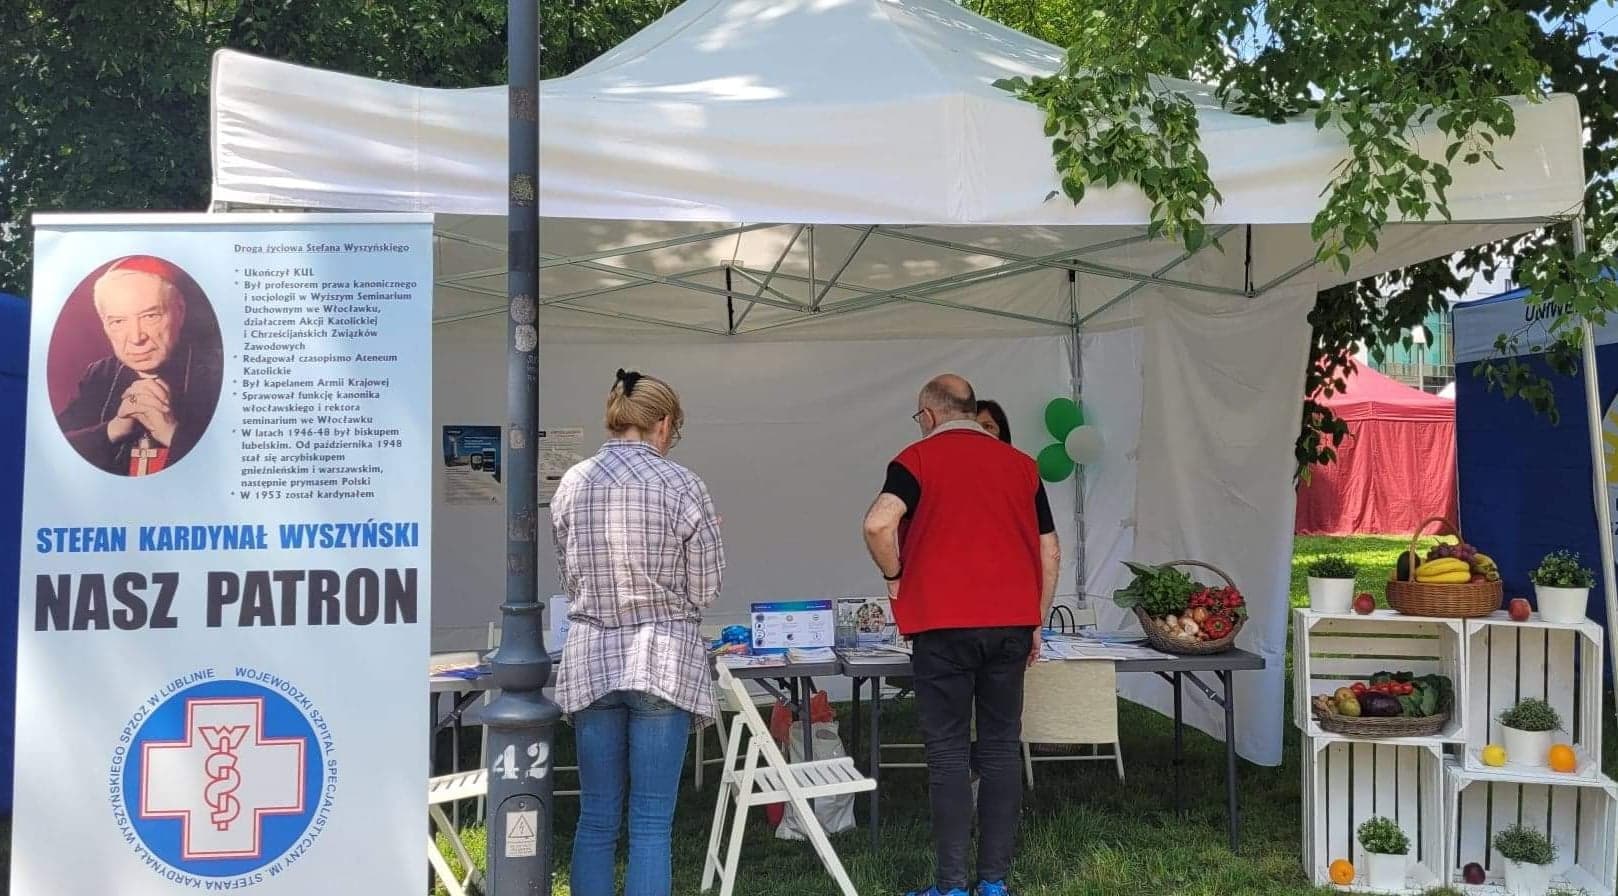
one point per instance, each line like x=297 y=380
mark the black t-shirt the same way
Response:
x=902 y=485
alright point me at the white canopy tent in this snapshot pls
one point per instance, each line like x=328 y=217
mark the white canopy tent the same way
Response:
x=797 y=210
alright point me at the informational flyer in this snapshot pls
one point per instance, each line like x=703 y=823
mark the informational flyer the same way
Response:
x=472 y=466
x=559 y=450
x=782 y=625
x=224 y=604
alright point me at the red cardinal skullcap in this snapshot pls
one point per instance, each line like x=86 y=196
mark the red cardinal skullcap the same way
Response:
x=147 y=264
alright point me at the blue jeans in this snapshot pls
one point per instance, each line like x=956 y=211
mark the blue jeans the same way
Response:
x=634 y=742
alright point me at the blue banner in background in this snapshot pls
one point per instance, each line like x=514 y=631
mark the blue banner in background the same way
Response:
x=1525 y=482
x=13 y=403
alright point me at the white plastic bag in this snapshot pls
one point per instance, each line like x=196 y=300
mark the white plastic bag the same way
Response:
x=836 y=813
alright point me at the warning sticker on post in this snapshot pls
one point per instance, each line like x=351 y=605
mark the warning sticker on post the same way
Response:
x=522 y=835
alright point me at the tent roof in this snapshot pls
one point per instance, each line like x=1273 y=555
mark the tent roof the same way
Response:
x=1373 y=396
x=846 y=164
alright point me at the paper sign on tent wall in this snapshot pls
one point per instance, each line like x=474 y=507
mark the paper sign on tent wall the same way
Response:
x=225 y=601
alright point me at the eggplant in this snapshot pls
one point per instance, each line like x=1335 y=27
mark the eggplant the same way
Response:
x=1380 y=705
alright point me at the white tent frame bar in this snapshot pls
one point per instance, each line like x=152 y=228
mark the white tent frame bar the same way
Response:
x=765 y=283
x=1598 y=465
x=821 y=296
x=909 y=295
x=1126 y=294
x=1083 y=267
x=554 y=260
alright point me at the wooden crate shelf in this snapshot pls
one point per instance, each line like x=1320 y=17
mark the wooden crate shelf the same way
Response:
x=1580 y=817
x=1333 y=650
x=1508 y=661
x=1346 y=783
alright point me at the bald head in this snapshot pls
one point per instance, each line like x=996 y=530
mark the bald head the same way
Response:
x=949 y=397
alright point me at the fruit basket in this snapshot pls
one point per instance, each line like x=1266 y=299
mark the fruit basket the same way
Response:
x=1402 y=691
x=1192 y=619
x=1455 y=581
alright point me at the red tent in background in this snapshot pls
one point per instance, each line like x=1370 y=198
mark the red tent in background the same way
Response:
x=1395 y=468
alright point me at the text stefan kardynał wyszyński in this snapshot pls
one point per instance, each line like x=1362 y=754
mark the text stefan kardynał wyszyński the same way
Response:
x=134 y=600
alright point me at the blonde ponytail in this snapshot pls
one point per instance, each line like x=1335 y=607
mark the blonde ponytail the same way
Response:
x=639 y=402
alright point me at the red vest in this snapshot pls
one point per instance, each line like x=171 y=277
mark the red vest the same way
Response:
x=971 y=549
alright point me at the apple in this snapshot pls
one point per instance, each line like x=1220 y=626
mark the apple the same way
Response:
x=1365 y=604
x=1519 y=609
x=1473 y=873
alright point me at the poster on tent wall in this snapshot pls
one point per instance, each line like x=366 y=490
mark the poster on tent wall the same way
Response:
x=472 y=466
x=224 y=592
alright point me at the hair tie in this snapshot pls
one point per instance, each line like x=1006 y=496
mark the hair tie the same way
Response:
x=629 y=380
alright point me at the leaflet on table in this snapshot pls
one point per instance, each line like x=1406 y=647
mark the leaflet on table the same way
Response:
x=811 y=655
x=744 y=661
x=780 y=625
x=874 y=655
x=1067 y=647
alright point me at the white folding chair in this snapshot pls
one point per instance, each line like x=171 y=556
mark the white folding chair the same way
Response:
x=446 y=790
x=762 y=777
x=1071 y=702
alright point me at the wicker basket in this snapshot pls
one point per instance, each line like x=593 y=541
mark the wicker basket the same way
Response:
x=1462 y=600
x=1384 y=726
x=1186 y=646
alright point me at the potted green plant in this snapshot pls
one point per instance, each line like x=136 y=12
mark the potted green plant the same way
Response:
x=1528 y=854
x=1331 y=584
x=1526 y=729
x=1562 y=585
x=1386 y=848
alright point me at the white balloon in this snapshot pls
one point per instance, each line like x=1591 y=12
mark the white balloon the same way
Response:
x=1083 y=444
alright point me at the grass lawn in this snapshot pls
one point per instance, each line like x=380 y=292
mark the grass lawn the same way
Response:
x=1084 y=833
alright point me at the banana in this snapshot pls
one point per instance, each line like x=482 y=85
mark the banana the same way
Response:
x=1443 y=566
x=1484 y=565
x=1446 y=578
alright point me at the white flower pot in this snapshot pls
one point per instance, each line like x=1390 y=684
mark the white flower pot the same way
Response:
x=1562 y=605
x=1528 y=748
x=1331 y=595
x=1527 y=880
x=1385 y=872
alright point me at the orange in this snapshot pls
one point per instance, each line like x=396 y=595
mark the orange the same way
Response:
x=1563 y=759
x=1342 y=872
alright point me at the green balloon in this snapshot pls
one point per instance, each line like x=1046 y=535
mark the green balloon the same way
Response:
x=1062 y=416
x=1054 y=464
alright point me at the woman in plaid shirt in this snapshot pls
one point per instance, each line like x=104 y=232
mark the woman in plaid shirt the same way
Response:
x=638 y=551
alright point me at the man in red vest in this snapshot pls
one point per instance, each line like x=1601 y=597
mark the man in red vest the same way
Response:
x=977 y=579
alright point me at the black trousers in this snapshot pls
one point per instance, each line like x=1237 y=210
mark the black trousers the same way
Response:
x=957 y=671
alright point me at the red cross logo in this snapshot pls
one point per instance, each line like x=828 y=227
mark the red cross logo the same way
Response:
x=223 y=779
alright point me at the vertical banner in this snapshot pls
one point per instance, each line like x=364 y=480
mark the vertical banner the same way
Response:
x=224 y=603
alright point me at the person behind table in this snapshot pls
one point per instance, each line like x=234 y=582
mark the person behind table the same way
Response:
x=146 y=405
x=992 y=417
x=979 y=573
x=640 y=558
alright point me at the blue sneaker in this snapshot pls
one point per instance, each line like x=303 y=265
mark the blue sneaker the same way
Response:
x=934 y=891
x=994 y=888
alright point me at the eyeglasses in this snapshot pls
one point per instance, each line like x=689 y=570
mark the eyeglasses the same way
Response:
x=916 y=417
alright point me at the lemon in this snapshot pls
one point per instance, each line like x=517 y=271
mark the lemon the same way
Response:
x=1494 y=755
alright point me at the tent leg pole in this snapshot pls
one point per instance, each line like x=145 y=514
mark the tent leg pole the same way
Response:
x=1598 y=465
x=1080 y=581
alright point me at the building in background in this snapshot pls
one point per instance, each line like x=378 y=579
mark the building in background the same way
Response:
x=1431 y=367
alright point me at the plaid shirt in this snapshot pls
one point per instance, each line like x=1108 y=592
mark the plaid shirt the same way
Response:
x=638 y=550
